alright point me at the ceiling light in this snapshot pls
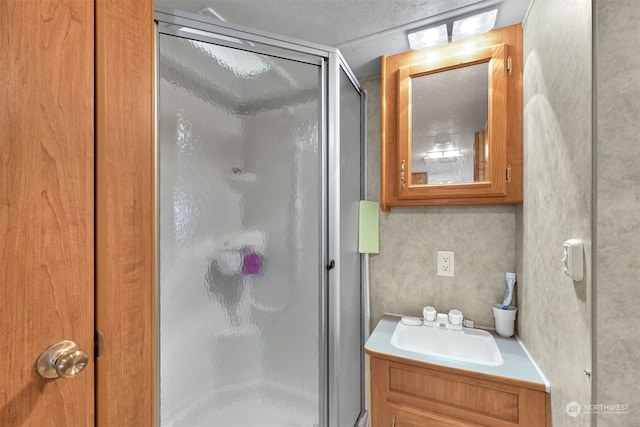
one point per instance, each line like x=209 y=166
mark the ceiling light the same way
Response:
x=429 y=37
x=437 y=154
x=474 y=25
x=451 y=153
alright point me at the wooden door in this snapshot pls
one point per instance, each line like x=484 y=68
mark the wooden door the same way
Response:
x=53 y=59
x=46 y=206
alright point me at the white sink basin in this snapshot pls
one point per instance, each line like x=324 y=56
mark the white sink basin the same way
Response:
x=468 y=345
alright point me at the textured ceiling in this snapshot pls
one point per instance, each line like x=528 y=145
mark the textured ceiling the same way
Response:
x=363 y=30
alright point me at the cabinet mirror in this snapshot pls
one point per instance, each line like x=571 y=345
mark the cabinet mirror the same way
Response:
x=451 y=126
x=451 y=123
x=449 y=137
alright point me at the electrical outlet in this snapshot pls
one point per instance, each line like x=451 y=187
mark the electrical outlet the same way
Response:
x=445 y=263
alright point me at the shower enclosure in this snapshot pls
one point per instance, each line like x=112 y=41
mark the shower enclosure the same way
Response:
x=260 y=283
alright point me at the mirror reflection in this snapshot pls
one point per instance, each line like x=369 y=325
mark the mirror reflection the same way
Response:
x=449 y=116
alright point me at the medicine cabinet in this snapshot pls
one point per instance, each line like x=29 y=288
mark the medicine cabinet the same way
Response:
x=451 y=123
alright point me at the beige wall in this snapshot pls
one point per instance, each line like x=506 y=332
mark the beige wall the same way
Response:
x=555 y=311
x=403 y=276
x=488 y=241
x=555 y=318
x=618 y=208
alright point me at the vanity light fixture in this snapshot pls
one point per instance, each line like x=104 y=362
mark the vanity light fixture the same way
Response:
x=451 y=153
x=461 y=29
x=474 y=25
x=428 y=37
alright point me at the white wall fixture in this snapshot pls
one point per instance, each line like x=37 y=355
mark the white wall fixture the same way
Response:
x=445 y=263
x=428 y=37
x=460 y=29
x=473 y=25
x=572 y=263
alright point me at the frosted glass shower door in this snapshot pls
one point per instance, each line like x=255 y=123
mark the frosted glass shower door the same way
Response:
x=240 y=282
x=350 y=327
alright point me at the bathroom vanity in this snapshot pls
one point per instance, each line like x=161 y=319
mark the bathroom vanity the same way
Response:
x=413 y=389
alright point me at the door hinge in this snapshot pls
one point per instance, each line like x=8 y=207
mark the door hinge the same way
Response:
x=508 y=174
x=98 y=343
x=509 y=67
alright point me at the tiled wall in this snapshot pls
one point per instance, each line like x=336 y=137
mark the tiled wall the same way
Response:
x=555 y=311
x=617 y=44
x=403 y=276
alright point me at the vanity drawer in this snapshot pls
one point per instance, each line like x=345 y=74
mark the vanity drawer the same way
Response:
x=399 y=416
x=419 y=391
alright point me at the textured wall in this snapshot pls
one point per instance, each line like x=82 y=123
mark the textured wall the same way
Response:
x=618 y=207
x=555 y=312
x=403 y=276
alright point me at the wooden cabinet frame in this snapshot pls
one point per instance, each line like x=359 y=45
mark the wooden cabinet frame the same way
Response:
x=505 y=124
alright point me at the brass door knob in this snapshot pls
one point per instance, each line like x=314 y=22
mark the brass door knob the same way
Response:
x=64 y=359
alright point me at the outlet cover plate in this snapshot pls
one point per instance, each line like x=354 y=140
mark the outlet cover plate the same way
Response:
x=445 y=263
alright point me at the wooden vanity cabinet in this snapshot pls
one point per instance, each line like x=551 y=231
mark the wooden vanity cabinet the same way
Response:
x=496 y=177
x=415 y=394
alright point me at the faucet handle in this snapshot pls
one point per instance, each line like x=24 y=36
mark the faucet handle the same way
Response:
x=455 y=317
x=429 y=313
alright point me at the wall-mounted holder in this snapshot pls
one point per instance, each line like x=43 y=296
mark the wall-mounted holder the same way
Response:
x=369 y=225
x=573 y=265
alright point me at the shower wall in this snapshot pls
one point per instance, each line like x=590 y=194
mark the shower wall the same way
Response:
x=289 y=287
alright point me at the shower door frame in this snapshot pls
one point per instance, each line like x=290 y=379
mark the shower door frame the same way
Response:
x=337 y=64
x=331 y=64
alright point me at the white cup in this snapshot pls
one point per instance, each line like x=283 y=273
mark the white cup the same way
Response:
x=505 y=319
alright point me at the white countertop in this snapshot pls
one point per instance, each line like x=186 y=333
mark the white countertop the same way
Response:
x=517 y=365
